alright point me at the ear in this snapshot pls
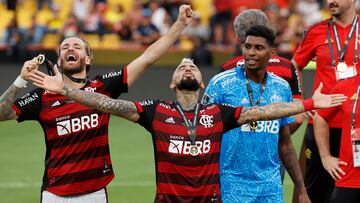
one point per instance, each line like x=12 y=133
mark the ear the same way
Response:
x=172 y=85
x=272 y=52
x=202 y=85
x=238 y=40
x=88 y=60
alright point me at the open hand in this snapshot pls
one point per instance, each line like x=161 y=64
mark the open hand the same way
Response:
x=52 y=83
x=327 y=100
x=332 y=166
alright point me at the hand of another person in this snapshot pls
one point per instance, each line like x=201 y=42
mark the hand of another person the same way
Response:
x=332 y=166
x=52 y=83
x=327 y=100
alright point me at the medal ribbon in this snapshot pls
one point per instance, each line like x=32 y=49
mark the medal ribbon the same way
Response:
x=191 y=127
x=249 y=90
x=342 y=52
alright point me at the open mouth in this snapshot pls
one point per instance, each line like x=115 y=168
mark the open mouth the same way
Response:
x=71 y=58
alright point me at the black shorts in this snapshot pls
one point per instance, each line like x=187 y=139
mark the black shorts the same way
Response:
x=319 y=184
x=345 y=195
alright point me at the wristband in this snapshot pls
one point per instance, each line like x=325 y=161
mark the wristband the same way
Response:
x=20 y=82
x=308 y=104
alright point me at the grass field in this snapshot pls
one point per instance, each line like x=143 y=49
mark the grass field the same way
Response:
x=22 y=152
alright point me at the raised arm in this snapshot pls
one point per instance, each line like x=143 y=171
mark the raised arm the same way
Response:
x=7 y=99
x=122 y=108
x=160 y=47
x=279 y=110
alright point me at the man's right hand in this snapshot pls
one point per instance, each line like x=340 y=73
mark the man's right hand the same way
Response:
x=28 y=67
x=52 y=83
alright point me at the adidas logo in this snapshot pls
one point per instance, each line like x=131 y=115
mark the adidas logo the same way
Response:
x=57 y=103
x=170 y=120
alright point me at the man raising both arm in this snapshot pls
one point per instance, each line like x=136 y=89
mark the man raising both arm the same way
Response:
x=77 y=161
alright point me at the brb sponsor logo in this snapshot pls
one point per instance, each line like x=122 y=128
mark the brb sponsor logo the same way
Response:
x=183 y=147
x=74 y=125
x=264 y=126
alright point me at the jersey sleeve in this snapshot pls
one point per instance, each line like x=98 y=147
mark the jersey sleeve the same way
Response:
x=146 y=110
x=115 y=82
x=306 y=50
x=294 y=84
x=288 y=98
x=230 y=115
x=28 y=107
x=211 y=94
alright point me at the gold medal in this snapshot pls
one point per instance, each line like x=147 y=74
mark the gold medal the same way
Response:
x=194 y=150
x=253 y=125
x=40 y=58
x=341 y=67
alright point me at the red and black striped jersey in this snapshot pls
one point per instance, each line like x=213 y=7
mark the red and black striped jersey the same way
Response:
x=77 y=151
x=181 y=177
x=279 y=66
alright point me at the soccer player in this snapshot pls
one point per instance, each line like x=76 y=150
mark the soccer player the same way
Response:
x=250 y=160
x=186 y=134
x=345 y=168
x=77 y=162
x=279 y=66
x=332 y=42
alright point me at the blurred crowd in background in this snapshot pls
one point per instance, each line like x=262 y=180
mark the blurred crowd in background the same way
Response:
x=131 y=24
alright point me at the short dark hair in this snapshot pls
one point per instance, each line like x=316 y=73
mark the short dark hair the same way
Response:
x=262 y=31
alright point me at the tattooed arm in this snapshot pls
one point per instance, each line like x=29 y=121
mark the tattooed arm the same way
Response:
x=6 y=101
x=269 y=112
x=278 y=110
x=122 y=108
x=8 y=97
x=288 y=157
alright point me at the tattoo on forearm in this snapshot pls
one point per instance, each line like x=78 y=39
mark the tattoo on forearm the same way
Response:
x=122 y=108
x=270 y=112
x=6 y=101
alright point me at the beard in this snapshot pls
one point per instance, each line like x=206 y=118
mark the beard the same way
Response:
x=73 y=70
x=188 y=84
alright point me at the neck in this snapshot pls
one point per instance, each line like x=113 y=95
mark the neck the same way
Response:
x=255 y=75
x=73 y=84
x=187 y=99
x=346 y=18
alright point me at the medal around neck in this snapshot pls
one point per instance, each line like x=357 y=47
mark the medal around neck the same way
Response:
x=341 y=67
x=194 y=150
x=253 y=125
